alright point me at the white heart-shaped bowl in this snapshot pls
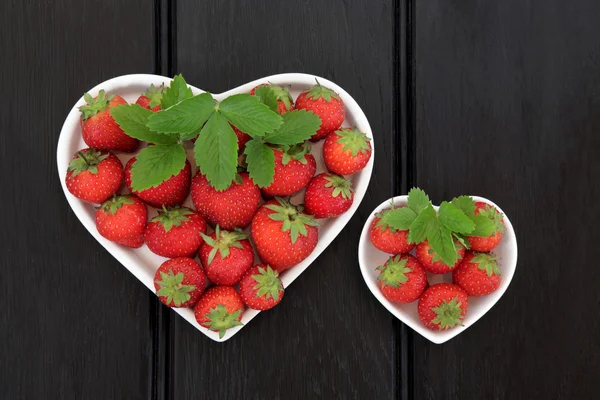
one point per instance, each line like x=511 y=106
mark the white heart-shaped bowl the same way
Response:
x=142 y=262
x=370 y=258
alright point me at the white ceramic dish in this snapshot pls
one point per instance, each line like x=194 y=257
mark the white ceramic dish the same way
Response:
x=142 y=262
x=370 y=258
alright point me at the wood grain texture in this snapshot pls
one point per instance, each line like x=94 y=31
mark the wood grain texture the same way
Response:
x=329 y=338
x=508 y=107
x=75 y=323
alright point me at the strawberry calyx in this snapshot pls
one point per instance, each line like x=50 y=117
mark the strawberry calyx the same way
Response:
x=340 y=186
x=154 y=94
x=383 y=216
x=393 y=272
x=223 y=241
x=112 y=205
x=353 y=140
x=448 y=314
x=283 y=94
x=296 y=152
x=495 y=216
x=319 y=91
x=268 y=284
x=220 y=320
x=86 y=161
x=95 y=105
x=487 y=262
x=172 y=216
x=294 y=220
x=172 y=287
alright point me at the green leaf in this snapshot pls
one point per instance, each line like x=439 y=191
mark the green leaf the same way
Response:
x=187 y=116
x=398 y=218
x=267 y=96
x=176 y=92
x=418 y=229
x=464 y=203
x=156 y=164
x=249 y=115
x=132 y=118
x=454 y=219
x=261 y=162
x=417 y=200
x=298 y=126
x=440 y=240
x=483 y=226
x=216 y=152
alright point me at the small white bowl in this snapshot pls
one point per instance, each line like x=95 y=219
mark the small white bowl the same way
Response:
x=142 y=262
x=370 y=258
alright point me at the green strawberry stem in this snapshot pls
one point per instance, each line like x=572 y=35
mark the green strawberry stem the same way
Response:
x=448 y=314
x=86 y=162
x=319 y=91
x=220 y=320
x=172 y=287
x=393 y=272
x=487 y=262
x=94 y=106
x=340 y=186
x=112 y=205
x=294 y=220
x=353 y=140
x=172 y=216
x=223 y=241
x=268 y=283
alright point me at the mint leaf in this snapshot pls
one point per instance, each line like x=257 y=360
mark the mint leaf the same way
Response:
x=216 y=152
x=454 y=219
x=399 y=218
x=417 y=200
x=185 y=117
x=261 y=162
x=176 y=92
x=464 y=203
x=440 y=240
x=418 y=229
x=298 y=126
x=132 y=118
x=483 y=226
x=249 y=115
x=267 y=96
x=156 y=164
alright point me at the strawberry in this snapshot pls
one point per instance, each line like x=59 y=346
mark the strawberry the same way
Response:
x=226 y=256
x=94 y=175
x=402 y=279
x=98 y=127
x=242 y=139
x=122 y=219
x=485 y=244
x=179 y=282
x=442 y=306
x=261 y=288
x=328 y=196
x=285 y=102
x=432 y=262
x=294 y=168
x=175 y=232
x=346 y=151
x=283 y=234
x=478 y=274
x=230 y=208
x=169 y=193
x=386 y=238
x=325 y=103
x=219 y=309
x=151 y=98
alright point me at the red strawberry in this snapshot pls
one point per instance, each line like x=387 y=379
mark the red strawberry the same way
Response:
x=226 y=256
x=432 y=262
x=328 y=196
x=169 y=193
x=242 y=138
x=386 y=238
x=283 y=234
x=442 y=306
x=325 y=103
x=175 y=232
x=230 y=208
x=94 y=175
x=346 y=151
x=478 y=274
x=487 y=243
x=122 y=219
x=179 y=282
x=152 y=98
x=261 y=288
x=219 y=309
x=285 y=102
x=402 y=279
x=99 y=129
x=294 y=168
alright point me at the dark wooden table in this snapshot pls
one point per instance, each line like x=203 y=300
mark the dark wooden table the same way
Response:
x=495 y=98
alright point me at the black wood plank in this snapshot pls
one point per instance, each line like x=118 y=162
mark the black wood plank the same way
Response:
x=329 y=338
x=75 y=323
x=508 y=107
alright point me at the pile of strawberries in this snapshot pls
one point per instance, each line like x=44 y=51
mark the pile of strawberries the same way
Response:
x=404 y=277
x=210 y=249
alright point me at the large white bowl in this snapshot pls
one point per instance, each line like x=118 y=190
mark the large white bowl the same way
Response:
x=142 y=262
x=370 y=258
